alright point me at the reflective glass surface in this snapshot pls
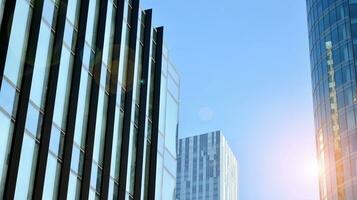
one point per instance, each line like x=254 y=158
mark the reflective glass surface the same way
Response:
x=33 y=120
x=92 y=21
x=117 y=140
x=18 y=42
x=334 y=21
x=100 y=127
x=73 y=187
x=56 y=141
x=63 y=88
x=42 y=65
x=8 y=97
x=169 y=187
x=25 y=177
x=51 y=178
x=6 y=135
x=82 y=109
x=171 y=124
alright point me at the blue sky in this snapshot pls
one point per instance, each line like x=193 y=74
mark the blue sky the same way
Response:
x=245 y=70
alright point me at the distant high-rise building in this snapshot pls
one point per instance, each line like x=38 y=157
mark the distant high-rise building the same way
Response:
x=333 y=54
x=88 y=102
x=207 y=169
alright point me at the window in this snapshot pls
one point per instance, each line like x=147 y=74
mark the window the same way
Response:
x=63 y=89
x=171 y=124
x=168 y=187
x=72 y=10
x=25 y=178
x=18 y=42
x=51 y=178
x=354 y=31
x=48 y=11
x=56 y=141
x=73 y=187
x=77 y=160
x=82 y=109
x=117 y=139
x=33 y=121
x=42 y=65
x=353 y=10
x=5 y=143
x=100 y=127
x=8 y=97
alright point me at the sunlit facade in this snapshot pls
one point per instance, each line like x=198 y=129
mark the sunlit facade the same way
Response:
x=333 y=55
x=207 y=169
x=89 y=102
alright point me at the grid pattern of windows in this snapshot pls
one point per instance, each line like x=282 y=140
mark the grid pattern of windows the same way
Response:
x=79 y=101
x=335 y=21
x=206 y=168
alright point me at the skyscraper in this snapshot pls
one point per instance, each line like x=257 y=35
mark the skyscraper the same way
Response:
x=333 y=54
x=88 y=101
x=207 y=169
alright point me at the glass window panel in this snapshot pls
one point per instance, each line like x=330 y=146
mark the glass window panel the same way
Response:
x=95 y=179
x=163 y=94
x=5 y=144
x=170 y=162
x=18 y=42
x=354 y=31
x=63 y=89
x=73 y=187
x=111 y=189
x=42 y=65
x=33 y=121
x=353 y=10
x=25 y=178
x=48 y=11
x=109 y=33
x=174 y=73
x=173 y=88
x=92 y=21
x=56 y=141
x=117 y=139
x=124 y=49
x=100 y=127
x=92 y=195
x=350 y=119
x=72 y=10
x=82 y=110
x=8 y=97
x=168 y=186
x=159 y=174
x=51 y=178
x=68 y=34
x=171 y=124
x=132 y=159
x=77 y=160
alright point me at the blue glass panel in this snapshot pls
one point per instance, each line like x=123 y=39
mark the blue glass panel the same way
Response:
x=171 y=124
x=27 y=166
x=51 y=178
x=42 y=65
x=73 y=187
x=33 y=121
x=56 y=141
x=18 y=42
x=5 y=143
x=8 y=97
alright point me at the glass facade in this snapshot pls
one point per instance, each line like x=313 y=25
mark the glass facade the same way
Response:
x=63 y=123
x=333 y=54
x=207 y=169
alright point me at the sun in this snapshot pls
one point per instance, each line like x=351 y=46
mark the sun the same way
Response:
x=311 y=168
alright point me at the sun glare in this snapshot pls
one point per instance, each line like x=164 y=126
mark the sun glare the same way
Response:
x=312 y=169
